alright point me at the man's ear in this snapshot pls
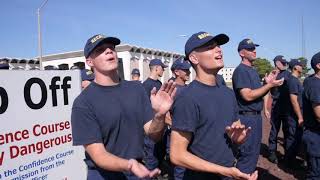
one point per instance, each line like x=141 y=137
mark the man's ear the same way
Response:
x=193 y=58
x=241 y=53
x=89 y=61
x=318 y=66
x=176 y=72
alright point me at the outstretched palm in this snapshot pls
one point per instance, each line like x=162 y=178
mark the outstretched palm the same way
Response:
x=162 y=100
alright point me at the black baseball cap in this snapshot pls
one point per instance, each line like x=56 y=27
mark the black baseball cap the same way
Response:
x=280 y=58
x=135 y=71
x=157 y=62
x=247 y=44
x=96 y=40
x=201 y=38
x=315 y=60
x=295 y=62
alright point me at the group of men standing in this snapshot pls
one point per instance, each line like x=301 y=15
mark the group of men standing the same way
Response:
x=207 y=130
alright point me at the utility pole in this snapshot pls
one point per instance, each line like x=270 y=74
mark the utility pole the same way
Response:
x=39 y=34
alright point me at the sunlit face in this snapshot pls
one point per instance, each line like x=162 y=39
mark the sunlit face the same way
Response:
x=208 y=57
x=160 y=71
x=183 y=74
x=103 y=58
x=298 y=69
x=249 y=54
x=280 y=65
x=135 y=77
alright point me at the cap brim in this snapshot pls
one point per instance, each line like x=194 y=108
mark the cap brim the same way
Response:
x=220 y=39
x=112 y=40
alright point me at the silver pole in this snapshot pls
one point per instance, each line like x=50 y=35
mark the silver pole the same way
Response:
x=39 y=34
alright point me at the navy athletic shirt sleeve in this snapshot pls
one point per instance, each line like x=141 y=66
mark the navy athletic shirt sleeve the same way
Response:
x=88 y=124
x=311 y=97
x=246 y=77
x=241 y=79
x=188 y=112
x=295 y=87
x=149 y=84
x=114 y=116
x=315 y=95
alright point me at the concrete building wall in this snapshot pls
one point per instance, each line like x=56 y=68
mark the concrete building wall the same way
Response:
x=227 y=73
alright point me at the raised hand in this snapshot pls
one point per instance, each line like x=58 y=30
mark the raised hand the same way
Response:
x=271 y=78
x=237 y=132
x=162 y=100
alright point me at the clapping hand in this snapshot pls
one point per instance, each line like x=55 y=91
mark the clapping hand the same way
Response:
x=141 y=171
x=163 y=99
x=237 y=132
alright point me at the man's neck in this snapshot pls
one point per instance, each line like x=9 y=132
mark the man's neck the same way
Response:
x=246 y=62
x=154 y=76
x=107 y=79
x=179 y=81
x=295 y=74
x=317 y=74
x=207 y=78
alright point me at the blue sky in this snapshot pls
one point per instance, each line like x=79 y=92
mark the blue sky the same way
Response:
x=67 y=24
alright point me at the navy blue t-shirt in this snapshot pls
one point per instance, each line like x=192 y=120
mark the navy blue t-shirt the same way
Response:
x=276 y=91
x=295 y=87
x=205 y=111
x=114 y=116
x=149 y=84
x=246 y=77
x=306 y=80
x=311 y=96
x=220 y=80
x=281 y=95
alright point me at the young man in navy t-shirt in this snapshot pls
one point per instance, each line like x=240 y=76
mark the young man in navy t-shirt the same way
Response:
x=156 y=71
x=311 y=117
x=110 y=117
x=205 y=123
x=181 y=71
x=280 y=98
x=294 y=120
x=135 y=75
x=249 y=93
x=153 y=152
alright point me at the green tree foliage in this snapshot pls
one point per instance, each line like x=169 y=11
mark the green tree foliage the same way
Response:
x=305 y=67
x=263 y=66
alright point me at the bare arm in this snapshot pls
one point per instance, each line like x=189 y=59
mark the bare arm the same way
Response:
x=155 y=128
x=316 y=110
x=253 y=94
x=161 y=102
x=180 y=156
x=265 y=105
x=296 y=107
x=103 y=158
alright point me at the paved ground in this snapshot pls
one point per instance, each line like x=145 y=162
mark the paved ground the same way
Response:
x=269 y=170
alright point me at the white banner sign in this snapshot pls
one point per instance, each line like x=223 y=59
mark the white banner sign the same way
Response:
x=35 y=126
